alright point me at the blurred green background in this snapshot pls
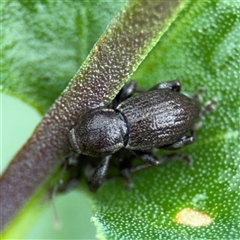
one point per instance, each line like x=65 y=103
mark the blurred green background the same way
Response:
x=18 y=121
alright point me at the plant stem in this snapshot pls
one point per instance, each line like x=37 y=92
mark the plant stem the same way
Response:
x=127 y=40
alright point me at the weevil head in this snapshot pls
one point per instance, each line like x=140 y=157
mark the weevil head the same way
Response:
x=97 y=134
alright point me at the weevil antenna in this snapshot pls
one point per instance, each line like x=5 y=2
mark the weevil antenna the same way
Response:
x=57 y=220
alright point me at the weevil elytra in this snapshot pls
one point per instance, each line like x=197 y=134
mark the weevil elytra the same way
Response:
x=162 y=117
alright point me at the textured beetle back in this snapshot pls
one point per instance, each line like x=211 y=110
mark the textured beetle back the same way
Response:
x=158 y=118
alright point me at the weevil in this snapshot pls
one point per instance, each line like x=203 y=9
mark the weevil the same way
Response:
x=161 y=117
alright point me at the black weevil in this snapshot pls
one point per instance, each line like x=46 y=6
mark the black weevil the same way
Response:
x=162 y=117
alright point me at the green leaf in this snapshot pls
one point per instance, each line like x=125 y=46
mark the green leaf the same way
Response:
x=44 y=43
x=202 y=50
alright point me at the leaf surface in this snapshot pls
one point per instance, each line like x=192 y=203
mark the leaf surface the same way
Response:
x=45 y=43
x=202 y=50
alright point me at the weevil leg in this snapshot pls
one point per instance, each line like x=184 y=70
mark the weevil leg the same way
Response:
x=57 y=187
x=126 y=172
x=173 y=85
x=198 y=94
x=53 y=193
x=126 y=92
x=131 y=87
x=70 y=184
x=147 y=158
x=99 y=174
x=208 y=107
x=71 y=166
x=184 y=141
x=149 y=161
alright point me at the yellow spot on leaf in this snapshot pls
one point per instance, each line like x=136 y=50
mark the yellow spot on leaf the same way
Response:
x=192 y=218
